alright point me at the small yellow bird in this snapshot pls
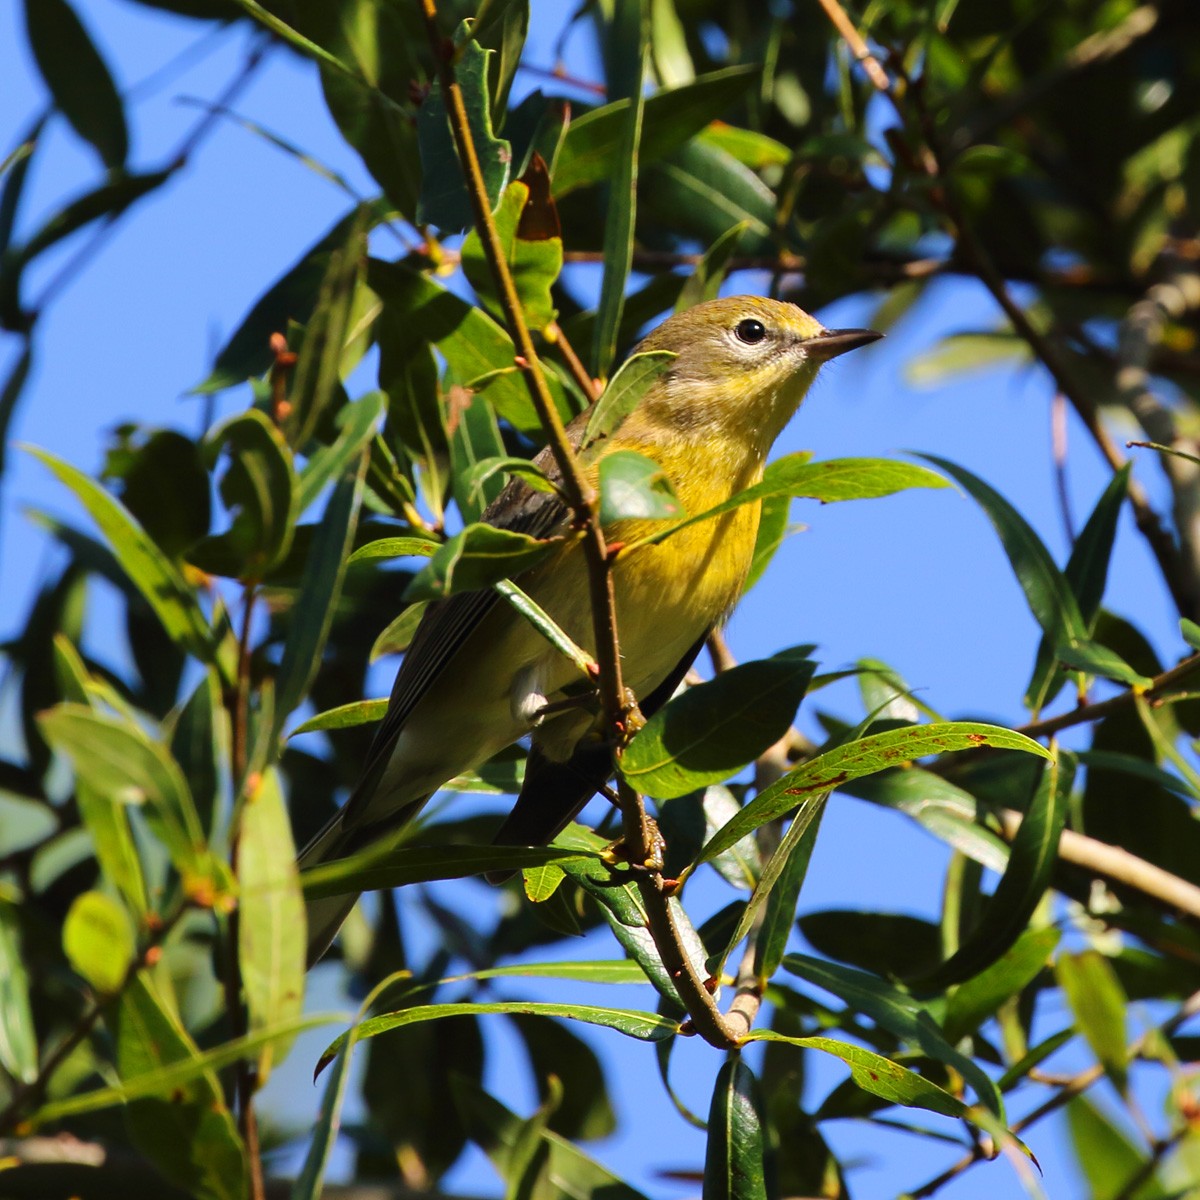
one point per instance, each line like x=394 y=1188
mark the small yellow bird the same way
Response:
x=478 y=676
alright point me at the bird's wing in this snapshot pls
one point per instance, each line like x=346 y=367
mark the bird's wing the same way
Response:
x=554 y=792
x=448 y=623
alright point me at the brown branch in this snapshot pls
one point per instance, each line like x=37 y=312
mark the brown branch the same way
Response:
x=1118 y=865
x=640 y=836
x=580 y=494
x=1158 y=692
x=857 y=44
x=556 y=336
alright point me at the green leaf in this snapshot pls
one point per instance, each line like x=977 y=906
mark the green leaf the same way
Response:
x=291 y=299
x=624 y=392
x=839 y=766
x=583 y=1110
x=1190 y=632
x=565 y=1170
x=259 y=488
x=751 y=148
x=443 y=201
x=711 y=731
x=1096 y=659
x=115 y=758
x=345 y=716
x=961 y=353
x=937 y=805
x=782 y=878
x=589 y=150
x=98 y=941
x=1108 y=1159
x=1021 y=887
x=705 y=281
x=474 y=438
x=885 y=943
x=308 y=1185
x=831 y=481
x=1087 y=573
x=478 y=557
x=106 y=823
x=357 y=424
x=773 y=527
x=897 y=1012
x=542 y=622
x=395 y=547
x=316 y=378
x=271 y=930
x=736 y=1157
x=154 y=575
x=106 y=201
x=534 y=264
x=398 y=634
x=165 y=1072
x=200 y=743
x=18 y=1037
x=419 y=311
x=1047 y=592
x=703 y=192
x=629 y=47
x=320 y=588
x=185 y=1129
x=164 y=484
x=1098 y=1004
x=615 y=971
x=877 y=1075
x=645 y=1027
x=978 y=998
x=635 y=488
x=423 y=864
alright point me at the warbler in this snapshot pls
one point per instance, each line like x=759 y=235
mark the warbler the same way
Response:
x=478 y=676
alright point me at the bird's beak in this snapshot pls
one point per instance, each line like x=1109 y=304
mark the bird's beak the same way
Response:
x=829 y=343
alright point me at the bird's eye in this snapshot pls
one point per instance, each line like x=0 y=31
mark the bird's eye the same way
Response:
x=750 y=331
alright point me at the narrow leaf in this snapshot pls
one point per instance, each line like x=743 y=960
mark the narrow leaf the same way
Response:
x=736 y=1157
x=645 y=1027
x=320 y=588
x=478 y=557
x=865 y=757
x=78 y=78
x=271 y=937
x=150 y=570
x=18 y=1037
x=1024 y=882
x=624 y=392
x=713 y=730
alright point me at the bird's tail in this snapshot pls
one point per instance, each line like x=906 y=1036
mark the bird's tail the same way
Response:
x=326 y=913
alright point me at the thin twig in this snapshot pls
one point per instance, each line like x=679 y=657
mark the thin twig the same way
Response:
x=178 y=160
x=1171 y=563
x=640 y=836
x=1159 y=691
x=556 y=336
x=858 y=46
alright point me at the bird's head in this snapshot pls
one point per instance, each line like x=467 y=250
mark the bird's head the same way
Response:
x=744 y=362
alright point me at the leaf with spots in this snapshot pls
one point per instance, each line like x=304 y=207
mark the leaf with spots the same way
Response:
x=835 y=767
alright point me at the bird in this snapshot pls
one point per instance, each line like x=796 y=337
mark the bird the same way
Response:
x=478 y=677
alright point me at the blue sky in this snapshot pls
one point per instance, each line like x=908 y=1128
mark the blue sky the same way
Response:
x=917 y=580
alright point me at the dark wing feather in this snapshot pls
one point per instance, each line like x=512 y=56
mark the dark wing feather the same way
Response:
x=448 y=623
